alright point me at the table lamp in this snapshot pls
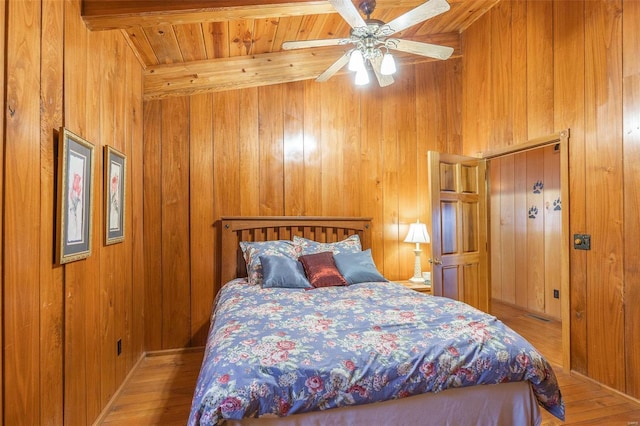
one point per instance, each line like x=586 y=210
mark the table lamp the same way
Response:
x=417 y=234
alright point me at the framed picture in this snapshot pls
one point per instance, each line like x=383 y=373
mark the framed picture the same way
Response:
x=114 y=204
x=75 y=197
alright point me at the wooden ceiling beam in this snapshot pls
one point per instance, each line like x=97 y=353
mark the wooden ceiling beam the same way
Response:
x=123 y=14
x=184 y=79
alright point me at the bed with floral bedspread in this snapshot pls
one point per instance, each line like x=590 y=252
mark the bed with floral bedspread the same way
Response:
x=281 y=351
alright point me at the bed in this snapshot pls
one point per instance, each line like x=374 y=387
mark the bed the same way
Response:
x=367 y=352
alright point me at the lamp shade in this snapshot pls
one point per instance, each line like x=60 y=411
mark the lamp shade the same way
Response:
x=362 y=77
x=388 y=65
x=356 y=61
x=417 y=233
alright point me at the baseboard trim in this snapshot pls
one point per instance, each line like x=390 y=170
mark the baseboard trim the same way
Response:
x=540 y=315
x=150 y=354
x=608 y=388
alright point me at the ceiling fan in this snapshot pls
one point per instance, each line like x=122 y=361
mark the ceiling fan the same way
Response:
x=370 y=37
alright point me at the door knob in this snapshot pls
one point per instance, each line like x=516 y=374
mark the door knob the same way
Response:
x=435 y=261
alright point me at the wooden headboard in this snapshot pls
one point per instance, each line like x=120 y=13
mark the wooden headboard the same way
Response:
x=266 y=228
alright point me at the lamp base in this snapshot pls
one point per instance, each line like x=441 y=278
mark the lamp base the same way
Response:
x=417 y=269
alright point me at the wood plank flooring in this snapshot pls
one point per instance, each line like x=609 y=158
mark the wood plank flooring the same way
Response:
x=586 y=403
x=159 y=390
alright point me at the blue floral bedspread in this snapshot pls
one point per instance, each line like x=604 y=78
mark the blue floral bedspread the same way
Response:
x=283 y=351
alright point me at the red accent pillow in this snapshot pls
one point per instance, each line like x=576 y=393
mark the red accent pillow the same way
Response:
x=321 y=270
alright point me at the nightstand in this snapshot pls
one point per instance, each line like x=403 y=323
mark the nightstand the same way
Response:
x=422 y=288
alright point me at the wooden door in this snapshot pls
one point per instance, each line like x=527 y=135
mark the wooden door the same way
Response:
x=459 y=258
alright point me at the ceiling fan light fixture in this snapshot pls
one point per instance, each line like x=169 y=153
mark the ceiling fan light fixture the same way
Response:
x=356 y=60
x=388 y=66
x=371 y=40
x=362 y=77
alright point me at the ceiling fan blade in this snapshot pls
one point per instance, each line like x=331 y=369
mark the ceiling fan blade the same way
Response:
x=349 y=13
x=334 y=68
x=423 y=49
x=288 y=45
x=383 y=80
x=419 y=14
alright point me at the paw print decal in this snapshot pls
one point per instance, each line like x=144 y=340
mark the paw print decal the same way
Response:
x=533 y=212
x=537 y=187
x=557 y=204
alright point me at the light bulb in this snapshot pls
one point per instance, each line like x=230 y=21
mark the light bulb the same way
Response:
x=388 y=65
x=362 y=77
x=356 y=61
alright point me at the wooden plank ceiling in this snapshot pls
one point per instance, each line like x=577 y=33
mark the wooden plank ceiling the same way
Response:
x=195 y=46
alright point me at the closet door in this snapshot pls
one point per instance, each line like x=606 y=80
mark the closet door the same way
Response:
x=459 y=228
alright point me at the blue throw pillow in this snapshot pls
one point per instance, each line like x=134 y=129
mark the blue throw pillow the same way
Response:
x=358 y=267
x=282 y=272
x=253 y=250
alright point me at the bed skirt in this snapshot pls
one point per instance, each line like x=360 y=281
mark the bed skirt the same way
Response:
x=510 y=404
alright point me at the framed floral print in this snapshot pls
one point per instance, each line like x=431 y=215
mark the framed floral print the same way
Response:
x=114 y=204
x=75 y=197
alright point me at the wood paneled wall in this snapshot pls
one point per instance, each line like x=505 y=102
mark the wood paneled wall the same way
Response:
x=529 y=68
x=526 y=226
x=534 y=67
x=295 y=149
x=60 y=324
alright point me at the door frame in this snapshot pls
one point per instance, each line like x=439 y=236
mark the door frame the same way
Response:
x=561 y=138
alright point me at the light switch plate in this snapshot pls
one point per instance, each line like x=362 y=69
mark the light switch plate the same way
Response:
x=582 y=241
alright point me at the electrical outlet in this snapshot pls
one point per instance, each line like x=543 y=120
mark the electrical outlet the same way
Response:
x=119 y=346
x=556 y=294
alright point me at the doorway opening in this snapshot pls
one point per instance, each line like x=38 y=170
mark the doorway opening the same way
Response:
x=528 y=228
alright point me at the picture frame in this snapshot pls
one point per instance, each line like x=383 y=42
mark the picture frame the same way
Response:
x=76 y=163
x=115 y=178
